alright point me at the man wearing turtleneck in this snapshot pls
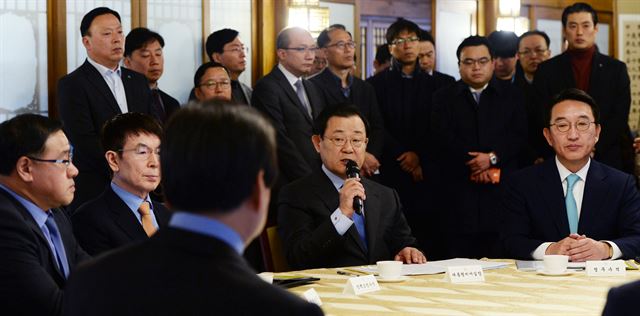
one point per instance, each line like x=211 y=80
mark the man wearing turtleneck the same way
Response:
x=606 y=79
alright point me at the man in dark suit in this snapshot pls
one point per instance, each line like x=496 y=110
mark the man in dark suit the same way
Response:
x=225 y=47
x=316 y=217
x=124 y=212
x=602 y=77
x=622 y=300
x=143 y=53
x=427 y=60
x=37 y=246
x=479 y=128
x=95 y=92
x=195 y=266
x=505 y=49
x=340 y=87
x=572 y=205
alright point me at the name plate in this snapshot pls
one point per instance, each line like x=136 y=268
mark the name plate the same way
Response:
x=312 y=296
x=465 y=274
x=362 y=284
x=606 y=268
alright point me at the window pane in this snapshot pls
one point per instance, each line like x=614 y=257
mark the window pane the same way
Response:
x=180 y=24
x=239 y=20
x=23 y=58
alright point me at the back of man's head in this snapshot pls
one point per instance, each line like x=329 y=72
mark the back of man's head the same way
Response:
x=116 y=130
x=139 y=38
x=400 y=25
x=24 y=135
x=91 y=15
x=216 y=40
x=212 y=155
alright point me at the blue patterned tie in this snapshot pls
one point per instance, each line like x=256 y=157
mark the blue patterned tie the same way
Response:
x=570 y=203
x=58 y=247
x=358 y=220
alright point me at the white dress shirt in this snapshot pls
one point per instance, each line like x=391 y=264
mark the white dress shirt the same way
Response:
x=292 y=81
x=114 y=81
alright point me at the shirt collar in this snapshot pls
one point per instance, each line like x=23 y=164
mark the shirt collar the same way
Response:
x=102 y=69
x=338 y=80
x=133 y=201
x=209 y=227
x=38 y=214
x=564 y=172
x=478 y=90
x=335 y=179
x=290 y=77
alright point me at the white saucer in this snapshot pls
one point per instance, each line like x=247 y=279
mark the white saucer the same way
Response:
x=401 y=278
x=562 y=273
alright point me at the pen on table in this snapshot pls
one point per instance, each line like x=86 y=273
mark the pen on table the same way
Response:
x=340 y=272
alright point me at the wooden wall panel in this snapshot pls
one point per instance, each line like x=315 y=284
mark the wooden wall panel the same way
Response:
x=400 y=8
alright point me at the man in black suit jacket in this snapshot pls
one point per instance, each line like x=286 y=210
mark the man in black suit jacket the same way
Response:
x=95 y=92
x=317 y=217
x=594 y=217
x=118 y=216
x=37 y=246
x=194 y=266
x=225 y=47
x=622 y=300
x=602 y=77
x=340 y=87
x=479 y=127
x=143 y=53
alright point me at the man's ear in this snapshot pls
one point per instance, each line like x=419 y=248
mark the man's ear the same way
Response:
x=113 y=160
x=261 y=194
x=216 y=57
x=547 y=135
x=315 y=139
x=85 y=42
x=23 y=169
x=127 y=62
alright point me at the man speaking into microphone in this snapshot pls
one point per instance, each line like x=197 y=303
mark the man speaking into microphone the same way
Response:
x=317 y=216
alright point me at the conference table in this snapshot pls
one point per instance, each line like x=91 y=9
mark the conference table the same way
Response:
x=506 y=291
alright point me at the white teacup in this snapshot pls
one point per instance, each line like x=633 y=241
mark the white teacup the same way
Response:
x=555 y=263
x=389 y=269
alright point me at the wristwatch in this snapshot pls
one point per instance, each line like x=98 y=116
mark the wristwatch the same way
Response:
x=493 y=158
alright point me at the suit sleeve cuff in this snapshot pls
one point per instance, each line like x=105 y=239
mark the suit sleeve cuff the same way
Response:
x=340 y=221
x=617 y=253
x=538 y=254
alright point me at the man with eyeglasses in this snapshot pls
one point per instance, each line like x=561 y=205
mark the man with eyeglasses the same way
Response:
x=37 y=245
x=479 y=128
x=604 y=78
x=427 y=60
x=572 y=205
x=317 y=217
x=339 y=86
x=291 y=102
x=124 y=212
x=533 y=49
x=226 y=48
x=212 y=82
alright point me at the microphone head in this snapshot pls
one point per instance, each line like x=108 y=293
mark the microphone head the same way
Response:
x=352 y=169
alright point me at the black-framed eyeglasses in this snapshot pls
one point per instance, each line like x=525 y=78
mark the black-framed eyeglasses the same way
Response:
x=311 y=49
x=142 y=151
x=65 y=162
x=535 y=52
x=342 y=45
x=341 y=141
x=400 y=41
x=581 y=125
x=480 y=61
x=212 y=84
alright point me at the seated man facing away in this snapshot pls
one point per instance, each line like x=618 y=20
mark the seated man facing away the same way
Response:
x=622 y=300
x=572 y=205
x=218 y=166
x=316 y=216
x=37 y=246
x=124 y=212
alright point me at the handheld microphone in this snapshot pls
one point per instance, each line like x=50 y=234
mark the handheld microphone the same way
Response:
x=354 y=172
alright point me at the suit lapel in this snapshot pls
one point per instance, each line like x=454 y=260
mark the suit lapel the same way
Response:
x=566 y=71
x=372 y=216
x=554 y=196
x=288 y=89
x=595 y=192
x=596 y=74
x=123 y=216
x=96 y=79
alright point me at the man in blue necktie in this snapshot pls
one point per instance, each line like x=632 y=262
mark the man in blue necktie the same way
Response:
x=37 y=246
x=316 y=215
x=572 y=205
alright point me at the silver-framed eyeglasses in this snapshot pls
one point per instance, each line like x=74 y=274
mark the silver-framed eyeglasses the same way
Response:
x=341 y=141
x=65 y=162
x=400 y=41
x=342 y=45
x=142 y=151
x=212 y=84
x=581 y=125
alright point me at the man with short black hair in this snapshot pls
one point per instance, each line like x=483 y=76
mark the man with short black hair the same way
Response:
x=143 y=53
x=124 y=212
x=95 y=92
x=195 y=266
x=604 y=78
x=505 y=48
x=212 y=82
x=382 y=59
x=317 y=218
x=427 y=60
x=572 y=205
x=225 y=47
x=37 y=246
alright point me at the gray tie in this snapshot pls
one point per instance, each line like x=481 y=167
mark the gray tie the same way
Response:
x=303 y=100
x=476 y=96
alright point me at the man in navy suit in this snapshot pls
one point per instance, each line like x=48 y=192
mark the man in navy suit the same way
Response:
x=572 y=205
x=124 y=212
x=95 y=92
x=623 y=300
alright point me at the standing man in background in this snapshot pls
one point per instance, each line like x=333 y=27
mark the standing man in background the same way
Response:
x=226 y=48
x=427 y=60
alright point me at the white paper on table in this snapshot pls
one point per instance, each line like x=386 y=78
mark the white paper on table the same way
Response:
x=535 y=265
x=437 y=267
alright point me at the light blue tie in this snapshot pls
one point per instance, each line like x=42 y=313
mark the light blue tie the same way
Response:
x=58 y=247
x=358 y=220
x=570 y=203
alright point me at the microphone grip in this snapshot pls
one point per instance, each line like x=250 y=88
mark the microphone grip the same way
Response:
x=357 y=205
